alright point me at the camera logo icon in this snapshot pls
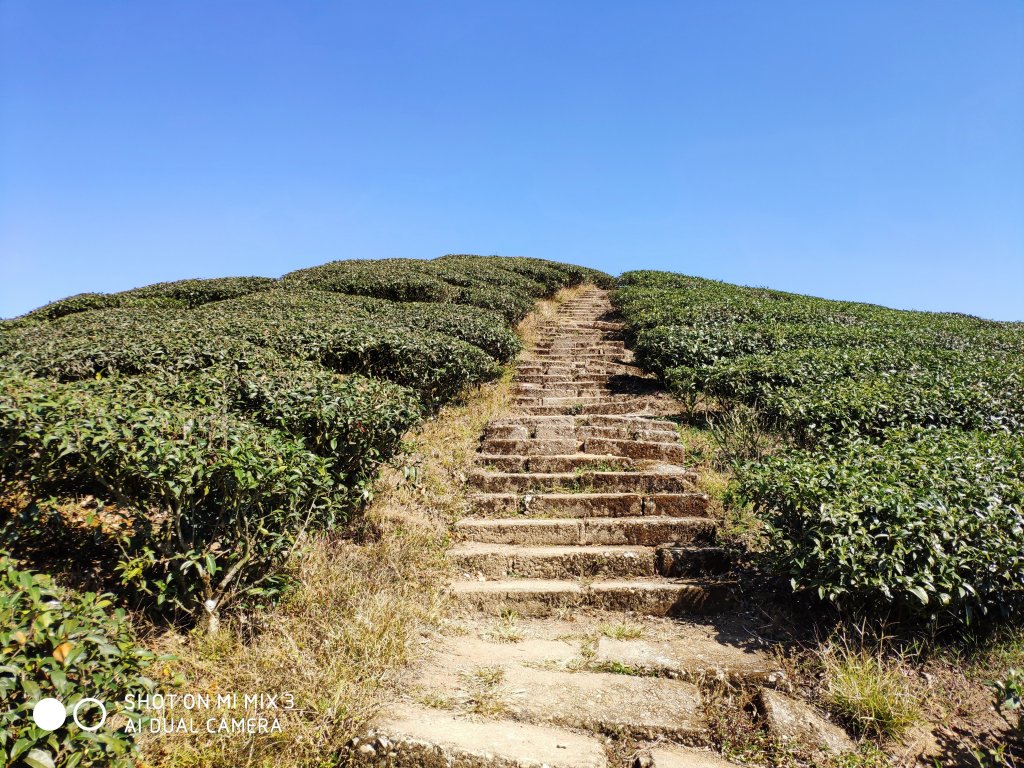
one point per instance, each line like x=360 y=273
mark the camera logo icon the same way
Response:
x=50 y=714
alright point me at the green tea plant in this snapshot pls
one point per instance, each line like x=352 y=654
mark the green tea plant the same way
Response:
x=897 y=486
x=1009 y=696
x=213 y=423
x=65 y=645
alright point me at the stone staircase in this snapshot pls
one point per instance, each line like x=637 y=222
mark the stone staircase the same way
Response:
x=588 y=578
x=582 y=499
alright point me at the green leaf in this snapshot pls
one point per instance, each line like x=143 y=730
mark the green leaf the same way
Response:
x=37 y=758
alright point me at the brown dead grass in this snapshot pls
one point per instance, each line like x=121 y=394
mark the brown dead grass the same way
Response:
x=365 y=604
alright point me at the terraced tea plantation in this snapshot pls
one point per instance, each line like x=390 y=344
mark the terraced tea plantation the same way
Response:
x=901 y=484
x=197 y=428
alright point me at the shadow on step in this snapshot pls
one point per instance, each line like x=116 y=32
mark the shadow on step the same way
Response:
x=626 y=384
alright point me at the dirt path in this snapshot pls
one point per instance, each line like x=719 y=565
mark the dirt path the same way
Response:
x=589 y=581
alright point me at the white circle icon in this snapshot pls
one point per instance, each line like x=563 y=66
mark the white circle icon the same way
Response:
x=90 y=728
x=49 y=714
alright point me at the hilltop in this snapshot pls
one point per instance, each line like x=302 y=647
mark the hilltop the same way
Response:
x=283 y=463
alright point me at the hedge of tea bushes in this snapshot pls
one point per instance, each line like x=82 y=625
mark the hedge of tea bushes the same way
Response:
x=213 y=422
x=902 y=490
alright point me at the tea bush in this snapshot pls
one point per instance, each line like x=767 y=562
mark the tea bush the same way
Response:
x=183 y=293
x=60 y=644
x=901 y=489
x=1009 y=695
x=213 y=422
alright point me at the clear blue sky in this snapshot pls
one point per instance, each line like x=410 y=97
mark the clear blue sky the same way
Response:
x=869 y=150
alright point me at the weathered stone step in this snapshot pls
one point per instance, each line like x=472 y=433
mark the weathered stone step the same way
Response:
x=669 y=479
x=687 y=659
x=530 y=446
x=598 y=380
x=576 y=339
x=641 y=707
x=598 y=325
x=547 y=597
x=563 y=403
x=692 y=561
x=587 y=433
x=560 y=390
x=590 y=367
x=647 y=530
x=502 y=561
x=690 y=504
x=543 y=356
x=417 y=737
x=568 y=462
x=620 y=406
x=637 y=449
x=569 y=422
x=681 y=757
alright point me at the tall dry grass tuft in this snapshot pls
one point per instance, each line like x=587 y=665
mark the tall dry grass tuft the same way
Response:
x=869 y=686
x=366 y=600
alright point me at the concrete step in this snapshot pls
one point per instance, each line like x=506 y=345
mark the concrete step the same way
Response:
x=550 y=597
x=569 y=422
x=503 y=561
x=692 y=504
x=589 y=368
x=624 y=432
x=601 y=702
x=620 y=406
x=669 y=451
x=569 y=462
x=560 y=390
x=681 y=757
x=647 y=530
x=563 y=379
x=669 y=479
x=411 y=736
x=542 y=398
x=529 y=446
x=682 y=561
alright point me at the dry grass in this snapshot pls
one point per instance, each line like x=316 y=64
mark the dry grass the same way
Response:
x=621 y=630
x=870 y=687
x=365 y=603
x=482 y=692
x=506 y=629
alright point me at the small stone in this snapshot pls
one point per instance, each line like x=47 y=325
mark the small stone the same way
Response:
x=367 y=749
x=791 y=720
x=384 y=742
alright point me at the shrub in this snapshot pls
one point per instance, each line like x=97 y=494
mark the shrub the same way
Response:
x=902 y=492
x=204 y=483
x=1009 y=695
x=84 y=302
x=60 y=644
x=921 y=522
x=214 y=422
x=193 y=293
